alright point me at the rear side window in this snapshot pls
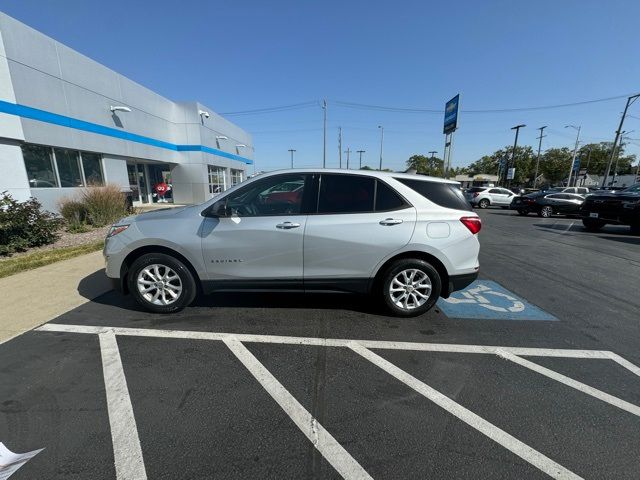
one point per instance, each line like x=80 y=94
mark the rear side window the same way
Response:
x=474 y=189
x=346 y=194
x=446 y=195
x=387 y=199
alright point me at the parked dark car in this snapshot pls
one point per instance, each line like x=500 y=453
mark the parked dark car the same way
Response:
x=618 y=208
x=525 y=204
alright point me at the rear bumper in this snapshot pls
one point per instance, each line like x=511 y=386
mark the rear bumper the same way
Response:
x=458 y=282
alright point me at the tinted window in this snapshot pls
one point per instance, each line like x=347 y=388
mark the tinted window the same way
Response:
x=346 y=194
x=506 y=192
x=444 y=194
x=387 y=198
x=92 y=170
x=476 y=189
x=495 y=190
x=271 y=196
x=37 y=160
x=68 y=167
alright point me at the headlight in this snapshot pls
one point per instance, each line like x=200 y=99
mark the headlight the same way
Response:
x=116 y=229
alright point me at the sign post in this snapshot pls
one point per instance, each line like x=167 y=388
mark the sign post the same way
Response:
x=450 y=126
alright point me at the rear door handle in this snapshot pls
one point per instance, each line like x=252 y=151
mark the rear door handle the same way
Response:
x=391 y=221
x=287 y=225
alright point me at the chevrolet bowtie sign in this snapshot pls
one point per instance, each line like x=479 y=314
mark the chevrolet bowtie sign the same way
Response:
x=451 y=115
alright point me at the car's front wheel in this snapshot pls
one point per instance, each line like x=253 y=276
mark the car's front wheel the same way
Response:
x=410 y=287
x=484 y=203
x=161 y=283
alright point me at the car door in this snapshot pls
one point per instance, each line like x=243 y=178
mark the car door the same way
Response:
x=359 y=220
x=253 y=236
x=497 y=196
x=508 y=196
x=559 y=202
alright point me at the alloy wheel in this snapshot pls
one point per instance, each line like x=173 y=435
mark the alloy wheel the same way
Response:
x=159 y=284
x=410 y=289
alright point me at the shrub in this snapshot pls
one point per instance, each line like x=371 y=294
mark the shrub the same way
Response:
x=75 y=213
x=104 y=205
x=24 y=225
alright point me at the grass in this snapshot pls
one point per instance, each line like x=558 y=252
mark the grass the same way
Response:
x=29 y=261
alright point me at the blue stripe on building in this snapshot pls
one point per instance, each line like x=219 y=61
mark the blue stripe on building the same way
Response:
x=69 y=122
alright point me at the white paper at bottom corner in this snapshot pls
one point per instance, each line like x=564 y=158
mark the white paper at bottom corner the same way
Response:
x=10 y=462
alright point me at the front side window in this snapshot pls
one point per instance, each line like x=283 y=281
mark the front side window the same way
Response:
x=495 y=190
x=39 y=165
x=68 y=167
x=216 y=180
x=279 y=195
x=346 y=194
x=91 y=165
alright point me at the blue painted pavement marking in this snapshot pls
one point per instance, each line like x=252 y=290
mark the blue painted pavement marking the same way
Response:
x=484 y=299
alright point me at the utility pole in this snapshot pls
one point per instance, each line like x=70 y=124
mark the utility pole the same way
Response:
x=291 y=150
x=340 y=146
x=433 y=152
x=630 y=101
x=535 y=177
x=324 y=135
x=361 y=152
x=348 y=151
x=575 y=152
x=586 y=169
x=513 y=155
x=615 y=169
x=381 y=143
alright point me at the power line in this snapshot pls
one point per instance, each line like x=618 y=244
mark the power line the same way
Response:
x=280 y=108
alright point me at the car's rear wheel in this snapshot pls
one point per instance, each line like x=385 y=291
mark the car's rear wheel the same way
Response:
x=523 y=212
x=592 y=225
x=161 y=283
x=484 y=203
x=546 y=211
x=410 y=287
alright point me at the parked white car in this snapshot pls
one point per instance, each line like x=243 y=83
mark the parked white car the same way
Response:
x=485 y=197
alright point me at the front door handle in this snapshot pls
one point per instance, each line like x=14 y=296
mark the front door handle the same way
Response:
x=391 y=221
x=287 y=225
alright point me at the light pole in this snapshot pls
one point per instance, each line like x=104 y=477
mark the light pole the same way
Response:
x=348 y=151
x=630 y=101
x=324 y=135
x=292 y=150
x=361 y=152
x=381 y=143
x=575 y=152
x=513 y=155
x=535 y=177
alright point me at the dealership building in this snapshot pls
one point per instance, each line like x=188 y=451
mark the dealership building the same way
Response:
x=69 y=123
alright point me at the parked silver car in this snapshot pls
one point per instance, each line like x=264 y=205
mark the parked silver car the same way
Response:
x=485 y=197
x=406 y=239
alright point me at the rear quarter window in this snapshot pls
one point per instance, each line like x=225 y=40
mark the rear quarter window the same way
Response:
x=446 y=195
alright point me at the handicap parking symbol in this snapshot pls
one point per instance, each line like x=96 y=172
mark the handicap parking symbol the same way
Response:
x=484 y=299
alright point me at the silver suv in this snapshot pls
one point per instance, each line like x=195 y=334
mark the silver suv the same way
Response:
x=405 y=239
x=485 y=197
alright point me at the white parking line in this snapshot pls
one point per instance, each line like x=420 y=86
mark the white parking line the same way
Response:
x=624 y=363
x=584 y=388
x=327 y=342
x=496 y=434
x=330 y=449
x=124 y=433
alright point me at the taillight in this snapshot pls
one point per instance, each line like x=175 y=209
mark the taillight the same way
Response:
x=475 y=194
x=474 y=224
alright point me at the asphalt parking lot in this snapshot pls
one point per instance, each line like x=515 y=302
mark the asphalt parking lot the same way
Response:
x=531 y=373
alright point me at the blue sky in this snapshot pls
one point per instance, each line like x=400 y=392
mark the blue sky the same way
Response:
x=242 y=55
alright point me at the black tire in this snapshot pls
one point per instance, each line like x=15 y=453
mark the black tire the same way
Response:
x=397 y=268
x=524 y=213
x=546 y=212
x=592 y=225
x=484 y=203
x=186 y=282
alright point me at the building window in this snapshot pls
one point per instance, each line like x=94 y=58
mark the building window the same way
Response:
x=216 y=180
x=39 y=166
x=91 y=165
x=68 y=164
x=236 y=177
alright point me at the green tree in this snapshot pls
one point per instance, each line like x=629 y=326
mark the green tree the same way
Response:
x=524 y=163
x=433 y=166
x=554 y=164
x=600 y=154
